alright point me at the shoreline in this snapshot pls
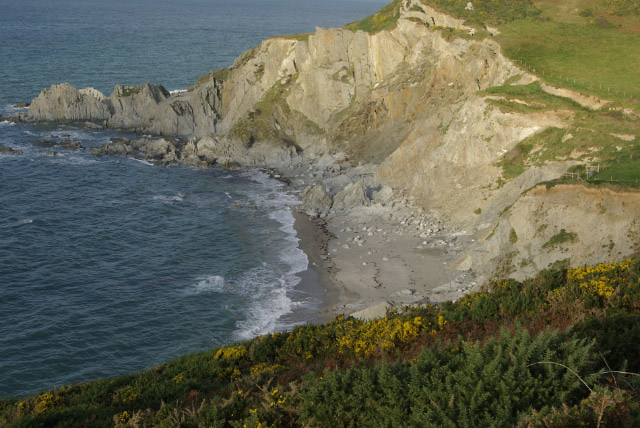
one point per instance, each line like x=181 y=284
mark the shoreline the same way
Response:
x=366 y=260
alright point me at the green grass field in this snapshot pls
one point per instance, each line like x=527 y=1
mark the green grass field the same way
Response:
x=601 y=62
x=592 y=46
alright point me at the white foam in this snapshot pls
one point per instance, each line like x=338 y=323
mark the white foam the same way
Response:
x=177 y=91
x=206 y=284
x=71 y=134
x=25 y=221
x=164 y=198
x=269 y=301
x=274 y=301
x=7 y=123
x=63 y=158
x=144 y=162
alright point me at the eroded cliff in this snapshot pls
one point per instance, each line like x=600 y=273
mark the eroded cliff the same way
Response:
x=411 y=103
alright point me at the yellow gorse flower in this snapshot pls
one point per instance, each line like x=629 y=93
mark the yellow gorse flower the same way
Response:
x=600 y=280
x=231 y=353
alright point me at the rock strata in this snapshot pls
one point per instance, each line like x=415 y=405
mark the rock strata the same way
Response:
x=368 y=124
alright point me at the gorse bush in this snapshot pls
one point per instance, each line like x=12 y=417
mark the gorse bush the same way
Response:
x=463 y=386
x=505 y=357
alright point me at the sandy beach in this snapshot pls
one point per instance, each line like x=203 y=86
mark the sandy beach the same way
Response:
x=368 y=259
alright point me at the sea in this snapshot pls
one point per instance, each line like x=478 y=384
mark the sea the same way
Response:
x=111 y=265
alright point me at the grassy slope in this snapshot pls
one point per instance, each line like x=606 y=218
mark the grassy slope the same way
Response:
x=469 y=363
x=600 y=51
x=590 y=46
x=589 y=136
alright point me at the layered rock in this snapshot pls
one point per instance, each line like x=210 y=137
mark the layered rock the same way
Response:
x=147 y=108
x=406 y=104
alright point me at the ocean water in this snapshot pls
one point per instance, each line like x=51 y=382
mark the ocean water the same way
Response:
x=111 y=265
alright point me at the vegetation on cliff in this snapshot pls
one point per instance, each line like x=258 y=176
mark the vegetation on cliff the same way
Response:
x=556 y=350
x=601 y=139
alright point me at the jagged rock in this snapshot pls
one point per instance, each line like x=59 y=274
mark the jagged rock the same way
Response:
x=316 y=201
x=372 y=312
x=353 y=195
x=93 y=126
x=154 y=149
x=70 y=145
x=9 y=151
x=147 y=108
x=383 y=195
x=23 y=104
x=45 y=143
x=63 y=102
x=113 y=149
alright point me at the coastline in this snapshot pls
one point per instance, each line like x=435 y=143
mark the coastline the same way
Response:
x=369 y=259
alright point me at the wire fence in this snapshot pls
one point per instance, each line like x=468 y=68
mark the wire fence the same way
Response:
x=596 y=174
x=623 y=93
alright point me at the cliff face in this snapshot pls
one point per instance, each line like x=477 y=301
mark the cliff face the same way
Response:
x=408 y=101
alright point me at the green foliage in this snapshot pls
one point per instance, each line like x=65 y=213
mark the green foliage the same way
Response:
x=514 y=162
x=513 y=236
x=589 y=134
x=465 y=385
x=385 y=19
x=622 y=7
x=131 y=90
x=217 y=74
x=258 y=124
x=466 y=363
x=560 y=238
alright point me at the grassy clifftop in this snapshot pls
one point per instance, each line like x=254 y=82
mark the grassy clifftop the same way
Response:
x=546 y=352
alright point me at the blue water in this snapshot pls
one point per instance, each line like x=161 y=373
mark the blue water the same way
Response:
x=111 y=265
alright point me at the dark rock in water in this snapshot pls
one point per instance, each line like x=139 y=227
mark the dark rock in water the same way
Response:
x=93 y=126
x=45 y=143
x=160 y=151
x=23 y=104
x=51 y=153
x=9 y=151
x=70 y=145
x=67 y=144
x=113 y=149
x=230 y=165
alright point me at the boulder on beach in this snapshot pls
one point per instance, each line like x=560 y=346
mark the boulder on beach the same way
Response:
x=316 y=201
x=352 y=196
x=378 y=310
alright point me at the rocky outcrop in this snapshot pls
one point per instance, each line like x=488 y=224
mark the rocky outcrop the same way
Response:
x=353 y=195
x=147 y=108
x=316 y=201
x=65 y=144
x=160 y=151
x=568 y=224
x=9 y=151
x=403 y=109
x=63 y=102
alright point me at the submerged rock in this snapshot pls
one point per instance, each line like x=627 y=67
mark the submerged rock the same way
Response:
x=9 y=151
